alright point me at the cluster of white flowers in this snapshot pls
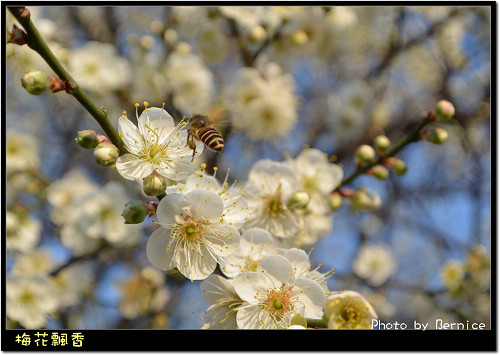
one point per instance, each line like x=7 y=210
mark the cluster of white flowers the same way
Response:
x=249 y=231
x=90 y=216
x=33 y=295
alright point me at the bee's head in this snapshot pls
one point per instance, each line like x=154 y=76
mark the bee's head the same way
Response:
x=198 y=121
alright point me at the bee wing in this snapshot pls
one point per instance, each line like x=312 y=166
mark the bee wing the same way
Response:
x=221 y=125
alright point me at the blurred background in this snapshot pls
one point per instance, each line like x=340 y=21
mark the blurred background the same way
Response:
x=274 y=80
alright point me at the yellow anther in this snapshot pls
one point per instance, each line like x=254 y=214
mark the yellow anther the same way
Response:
x=136 y=104
x=146 y=103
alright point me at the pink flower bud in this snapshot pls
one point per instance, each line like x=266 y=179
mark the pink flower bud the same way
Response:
x=444 y=110
x=87 y=139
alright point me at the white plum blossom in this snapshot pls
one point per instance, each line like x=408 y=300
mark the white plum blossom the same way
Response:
x=71 y=284
x=220 y=293
x=269 y=189
x=349 y=110
x=144 y=292
x=375 y=263
x=38 y=261
x=255 y=245
x=155 y=144
x=212 y=41
x=189 y=81
x=262 y=103
x=22 y=233
x=30 y=300
x=235 y=206
x=62 y=193
x=349 y=310
x=273 y=295
x=99 y=215
x=315 y=227
x=98 y=67
x=20 y=152
x=96 y=217
x=192 y=234
x=302 y=266
x=317 y=176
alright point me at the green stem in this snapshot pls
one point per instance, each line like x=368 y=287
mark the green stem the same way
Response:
x=410 y=138
x=36 y=42
x=316 y=323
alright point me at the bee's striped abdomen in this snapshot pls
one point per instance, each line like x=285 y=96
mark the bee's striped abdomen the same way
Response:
x=211 y=138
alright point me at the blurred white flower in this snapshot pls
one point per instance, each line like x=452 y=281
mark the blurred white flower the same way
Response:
x=349 y=110
x=375 y=263
x=144 y=292
x=30 y=300
x=255 y=245
x=156 y=144
x=317 y=176
x=192 y=234
x=36 y=262
x=270 y=187
x=75 y=238
x=97 y=216
x=315 y=227
x=220 y=293
x=305 y=31
x=212 y=41
x=273 y=295
x=71 y=284
x=20 y=152
x=62 y=193
x=349 y=310
x=23 y=233
x=98 y=67
x=262 y=103
x=190 y=82
x=452 y=273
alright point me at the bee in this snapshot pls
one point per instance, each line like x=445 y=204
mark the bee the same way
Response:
x=200 y=128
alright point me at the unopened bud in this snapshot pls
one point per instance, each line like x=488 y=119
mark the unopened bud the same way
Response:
x=299 y=320
x=365 y=199
x=399 y=167
x=438 y=136
x=170 y=36
x=35 y=82
x=444 y=110
x=382 y=143
x=335 y=201
x=87 y=139
x=299 y=37
x=134 y=212
x=299 y=199
x=364 y=154
x=156 y=26
x=183 y=48
x=106 y=153
x=154 y=184
x=380 y=172
x=257 y=34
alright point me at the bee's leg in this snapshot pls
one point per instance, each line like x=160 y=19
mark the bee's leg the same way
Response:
x=194 y=152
